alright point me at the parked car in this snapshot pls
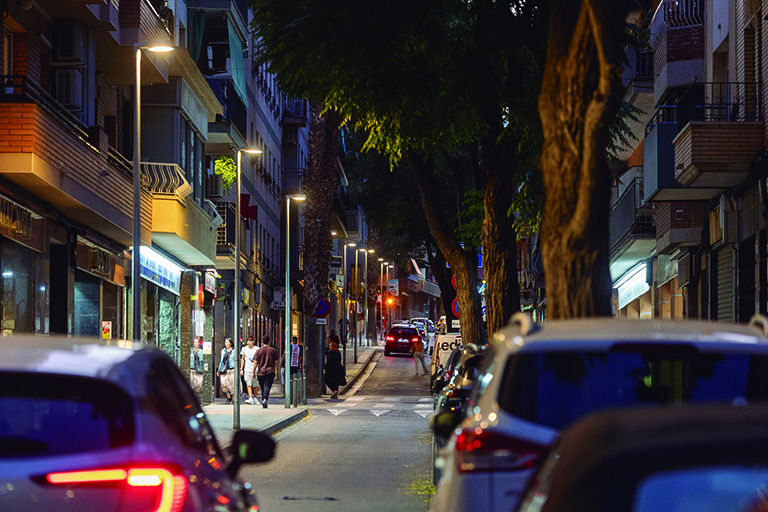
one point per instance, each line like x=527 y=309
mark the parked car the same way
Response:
x=429 y=328
x=536 y=381
x=454 y=396
x=84 y=423
x=703 y=458
x=444 y=372
x=401 y=337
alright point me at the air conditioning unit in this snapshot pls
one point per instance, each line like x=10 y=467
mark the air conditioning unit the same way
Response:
x=215 y=186
x=70 y=47
x=69 y=88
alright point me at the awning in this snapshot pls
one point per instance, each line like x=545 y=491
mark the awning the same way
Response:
x=237 y=62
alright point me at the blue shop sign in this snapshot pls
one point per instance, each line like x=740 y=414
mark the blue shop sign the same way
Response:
x=159 y=270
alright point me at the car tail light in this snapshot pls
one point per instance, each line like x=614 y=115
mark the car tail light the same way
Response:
x=479 y=450
x=173 y=488
x=390 y=338
x=458 y=393
x=414 y=340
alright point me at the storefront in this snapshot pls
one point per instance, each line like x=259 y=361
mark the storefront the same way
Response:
x=99 y=284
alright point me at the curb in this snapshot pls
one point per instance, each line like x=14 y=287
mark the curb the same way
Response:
x=280 y=425
x=343 y=389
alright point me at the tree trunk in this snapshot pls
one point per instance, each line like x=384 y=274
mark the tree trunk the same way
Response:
x=502 y=289
x=437 y=261
x=320 y=181
x=580 y=96
x=463 y=265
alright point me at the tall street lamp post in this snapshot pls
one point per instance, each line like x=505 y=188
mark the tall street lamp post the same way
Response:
x=236 y=294
x=365 y=298
x=287 y=346
x=357 y=299
x=345 y=336
x=381 y=294
x=136 y=253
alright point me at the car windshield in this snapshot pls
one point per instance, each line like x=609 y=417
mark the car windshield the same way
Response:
x=402 y=332
x=43 y=415
x=557 y=388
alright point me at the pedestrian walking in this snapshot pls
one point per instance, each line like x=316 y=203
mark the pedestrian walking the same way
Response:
x=334 y=371
x=247 y=368
x=417 y=349
x=296 y=355
x=265 y=359
x=226 y=371
x=334 y=338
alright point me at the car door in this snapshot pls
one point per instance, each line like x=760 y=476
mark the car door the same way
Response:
x=204 y=459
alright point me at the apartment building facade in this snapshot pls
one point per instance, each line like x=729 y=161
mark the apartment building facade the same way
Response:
x=688 y=225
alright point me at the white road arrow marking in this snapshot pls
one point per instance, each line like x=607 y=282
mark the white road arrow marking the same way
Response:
x=378 y=413
x=423 y=414
x=336 y=412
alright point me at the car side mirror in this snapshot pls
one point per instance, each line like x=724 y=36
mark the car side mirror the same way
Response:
x=250 y=447
x=444 y=423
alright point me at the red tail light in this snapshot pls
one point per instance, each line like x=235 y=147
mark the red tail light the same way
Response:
x=414 y=340
x=458 y=393
x=390 y=338
x=173 y=488
x=480 y=450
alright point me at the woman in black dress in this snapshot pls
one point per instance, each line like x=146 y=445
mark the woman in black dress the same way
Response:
x=334 y=371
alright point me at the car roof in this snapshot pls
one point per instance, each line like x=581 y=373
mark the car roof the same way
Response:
x=608 y=453
x=121 y=362
x=602 y=333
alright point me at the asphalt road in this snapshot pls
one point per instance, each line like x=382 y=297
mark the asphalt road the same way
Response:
x=366 y=452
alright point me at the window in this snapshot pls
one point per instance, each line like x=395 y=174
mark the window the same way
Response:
x=44 y=415
x=557 y=388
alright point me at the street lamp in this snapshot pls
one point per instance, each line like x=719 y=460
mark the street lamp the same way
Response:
x=381 y=294
x=236 y=298
x=345 y=336
x=287 y=379
x=365 y=297
x=357 y=297
x=136 y=253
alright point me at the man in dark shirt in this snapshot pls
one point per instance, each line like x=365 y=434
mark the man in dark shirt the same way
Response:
x=264 y=360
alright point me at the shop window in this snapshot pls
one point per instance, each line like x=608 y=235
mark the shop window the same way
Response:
x=17 y=268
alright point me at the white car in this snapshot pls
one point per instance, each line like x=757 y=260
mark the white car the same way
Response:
x=538 y=380
x=429 y=328
x=90 y=426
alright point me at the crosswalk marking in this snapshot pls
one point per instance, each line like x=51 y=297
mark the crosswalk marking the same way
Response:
x=383 y=406
x=423 y=414
x=355 y=398
x=392 y=398
x=422 y=406
x=425 y=400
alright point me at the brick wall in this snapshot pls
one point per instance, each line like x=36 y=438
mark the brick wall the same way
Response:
x=717 y=142
x=662 y=218
x=129 y=13
x=686 y=215
x=25 y=128
x=685 y=43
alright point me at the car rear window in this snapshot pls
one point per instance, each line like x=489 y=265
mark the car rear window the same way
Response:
x=402 y=332
x=557 y=388
x=42 y=415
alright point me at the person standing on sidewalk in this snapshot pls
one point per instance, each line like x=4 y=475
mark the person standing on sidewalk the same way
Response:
x=265 y=359
x=226 y=372
x=247 y=367
x=417 y=349
x=334 y=371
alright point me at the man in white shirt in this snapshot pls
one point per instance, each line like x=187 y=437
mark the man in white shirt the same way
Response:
x=246 y=367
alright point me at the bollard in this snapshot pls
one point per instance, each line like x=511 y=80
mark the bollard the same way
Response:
x=303 y=388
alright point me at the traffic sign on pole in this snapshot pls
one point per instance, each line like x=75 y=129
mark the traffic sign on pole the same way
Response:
x=455 y=307
x=323 y=308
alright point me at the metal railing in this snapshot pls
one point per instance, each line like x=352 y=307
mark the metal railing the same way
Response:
x=721 y=101
x=293 y=180
x=630 y=214
x=226 y=231
x=294 y=107
x=644 y=64
x=19 y=89
x=166 y=179
x=234 y=109
x=353 y=220
x=213 y=213
x=664 y=114
x=682 y=13
x=122 y=164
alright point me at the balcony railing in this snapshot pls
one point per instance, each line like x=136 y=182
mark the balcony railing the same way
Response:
x=353 y=220
x=166 y=179
x=20 y=89
x=721 y=101
x=213 y=213
x=682 y=13
x=644 y=64
x=630 y=215
x=226 y=231
x=293 y=180
x=234 y=109
x=665 y=114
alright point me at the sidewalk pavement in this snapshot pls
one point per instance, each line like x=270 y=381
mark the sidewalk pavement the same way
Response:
x=276 y=417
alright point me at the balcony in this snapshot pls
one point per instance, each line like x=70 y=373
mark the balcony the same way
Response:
x=353 y=225
x=179 y=225
x=293 y=181
x=295 y=112
x=231 y=127
x=678 y=225
x=225 y=237
x=659 y=158
x=677 y=38
x=236 y=9
x=48 y=151
x=631 y=232
x=722 y=132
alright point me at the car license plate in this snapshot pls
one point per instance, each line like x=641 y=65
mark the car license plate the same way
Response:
x=401 y=340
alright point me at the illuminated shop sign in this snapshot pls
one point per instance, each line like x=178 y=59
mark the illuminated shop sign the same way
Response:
x=158 y=269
